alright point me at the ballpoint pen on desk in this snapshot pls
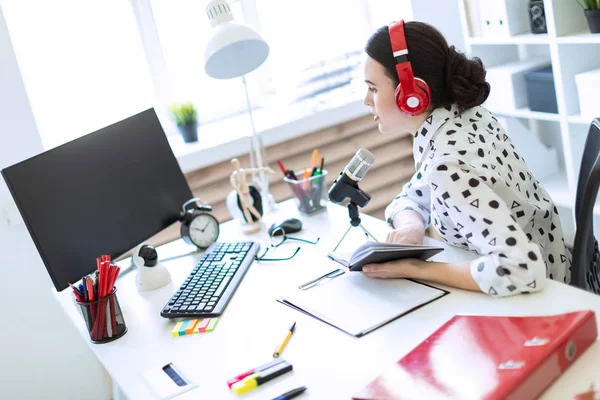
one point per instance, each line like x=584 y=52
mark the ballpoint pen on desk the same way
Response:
x=314 y=159
x=306 y=176
x=291 y=176
x=89 y=287
x=282 y=168
x=84 y=290
x=280 y=348
x=316 y=281
x=298 y=187
x=77 y=293
x=291 y=394
x=313 y=165
x=318 y=170
x=318 y=186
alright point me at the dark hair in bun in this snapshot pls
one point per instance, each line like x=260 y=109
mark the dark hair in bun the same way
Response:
x=451 y=76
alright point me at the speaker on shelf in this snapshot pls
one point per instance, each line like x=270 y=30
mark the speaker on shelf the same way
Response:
x=537 y=17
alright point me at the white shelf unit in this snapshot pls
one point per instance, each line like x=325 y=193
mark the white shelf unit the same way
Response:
x=572 y=49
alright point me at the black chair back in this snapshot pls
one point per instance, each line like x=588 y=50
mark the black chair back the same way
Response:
x=585 y=271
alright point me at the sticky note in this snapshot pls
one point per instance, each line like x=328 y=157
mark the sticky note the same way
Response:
x=190 y=326
x=175 y=332
x=201 y=328
x=212 y=324
x=183 y=327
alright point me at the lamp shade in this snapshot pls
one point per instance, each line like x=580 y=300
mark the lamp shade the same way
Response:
x=234 y=49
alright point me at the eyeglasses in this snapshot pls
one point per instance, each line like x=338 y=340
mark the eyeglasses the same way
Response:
x=278 y=237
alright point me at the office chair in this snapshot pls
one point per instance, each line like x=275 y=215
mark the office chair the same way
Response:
x=585 y=271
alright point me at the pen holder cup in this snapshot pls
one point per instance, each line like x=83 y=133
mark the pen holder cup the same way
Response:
x=103 y=318
x=310 y=194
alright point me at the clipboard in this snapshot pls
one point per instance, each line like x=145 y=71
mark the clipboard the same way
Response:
x=358 y=305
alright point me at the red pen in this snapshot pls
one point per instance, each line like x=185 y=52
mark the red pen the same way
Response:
x=281 y=167
x=76 y=292
x=243 y=375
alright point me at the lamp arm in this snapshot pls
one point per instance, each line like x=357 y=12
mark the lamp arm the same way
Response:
x=258 y=155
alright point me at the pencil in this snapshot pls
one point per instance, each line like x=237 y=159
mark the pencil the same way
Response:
x=280 y=348
x=314 y=159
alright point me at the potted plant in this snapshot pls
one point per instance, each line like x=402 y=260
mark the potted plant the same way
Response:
x=592 y=13
x=186 y=120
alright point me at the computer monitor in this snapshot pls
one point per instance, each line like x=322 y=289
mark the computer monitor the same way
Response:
x=103 y=193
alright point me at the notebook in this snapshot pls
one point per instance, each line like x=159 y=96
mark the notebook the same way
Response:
x=500 y=358
x=357 y=304
x=375 y=252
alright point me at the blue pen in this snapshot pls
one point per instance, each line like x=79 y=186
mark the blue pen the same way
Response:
x=291 y=394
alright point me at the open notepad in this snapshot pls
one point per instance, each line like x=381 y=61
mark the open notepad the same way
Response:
x=357 y=304
x=375 y=252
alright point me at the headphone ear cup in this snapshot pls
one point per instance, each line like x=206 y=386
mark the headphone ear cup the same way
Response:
x=399 y=98
x=414 y=101
x=424 y=89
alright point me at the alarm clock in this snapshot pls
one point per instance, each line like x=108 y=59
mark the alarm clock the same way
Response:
x=198 y=227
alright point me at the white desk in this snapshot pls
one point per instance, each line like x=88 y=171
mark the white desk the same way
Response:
x=332 y=364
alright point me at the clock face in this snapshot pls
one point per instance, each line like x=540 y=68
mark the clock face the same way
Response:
x=204 y=230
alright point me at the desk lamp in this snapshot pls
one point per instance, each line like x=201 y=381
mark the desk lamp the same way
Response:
x=234 y=50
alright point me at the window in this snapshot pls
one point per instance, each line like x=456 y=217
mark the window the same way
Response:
x=312 y=43
x=316 y=46
x=383 y=12
x=89 y=64
x=82 y=64
x=184 y=30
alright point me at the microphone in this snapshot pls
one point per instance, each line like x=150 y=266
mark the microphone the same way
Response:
x=346 y=185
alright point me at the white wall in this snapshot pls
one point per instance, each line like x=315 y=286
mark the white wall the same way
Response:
x=446 y=19
x=41 y=354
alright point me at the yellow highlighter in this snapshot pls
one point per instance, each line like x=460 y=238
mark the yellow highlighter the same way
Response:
x=280 y=348
x=258 y=378
x=246 y=384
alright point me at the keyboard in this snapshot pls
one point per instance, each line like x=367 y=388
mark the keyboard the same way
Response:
x=209 y=287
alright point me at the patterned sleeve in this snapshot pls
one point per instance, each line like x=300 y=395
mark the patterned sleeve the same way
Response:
x=414 y=196
x=510 y=263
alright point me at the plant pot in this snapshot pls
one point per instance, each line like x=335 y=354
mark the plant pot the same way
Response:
x=189 y=132
x=593 y=19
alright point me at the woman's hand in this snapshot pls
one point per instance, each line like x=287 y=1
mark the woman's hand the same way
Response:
x=407 y=268
x=451 y=274
x=407 y=234
x=408 y=228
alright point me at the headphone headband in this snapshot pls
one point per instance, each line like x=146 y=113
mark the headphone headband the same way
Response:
x=400 y=50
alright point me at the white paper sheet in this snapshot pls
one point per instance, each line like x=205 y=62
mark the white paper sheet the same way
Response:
x=358 y=304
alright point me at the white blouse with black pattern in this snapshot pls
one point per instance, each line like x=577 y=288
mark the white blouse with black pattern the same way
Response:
x=478 y=192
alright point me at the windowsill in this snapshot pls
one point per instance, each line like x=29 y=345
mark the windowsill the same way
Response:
x=225 y=139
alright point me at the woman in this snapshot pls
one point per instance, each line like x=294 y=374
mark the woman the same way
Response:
x=470 y=181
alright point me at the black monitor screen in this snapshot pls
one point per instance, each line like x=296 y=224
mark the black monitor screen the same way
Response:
x=103 y=193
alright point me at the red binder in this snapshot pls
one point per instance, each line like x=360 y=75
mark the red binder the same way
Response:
x=485 y=357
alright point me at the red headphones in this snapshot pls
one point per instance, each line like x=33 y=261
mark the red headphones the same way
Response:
x=412 y=94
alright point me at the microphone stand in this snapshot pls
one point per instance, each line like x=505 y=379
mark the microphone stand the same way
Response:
x=358 y=198
x=354 y=222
